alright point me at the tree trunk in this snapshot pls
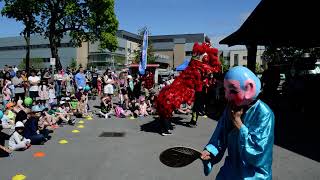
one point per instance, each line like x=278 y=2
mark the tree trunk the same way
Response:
x=27 y=38
x=26 y=34
x=54 y=50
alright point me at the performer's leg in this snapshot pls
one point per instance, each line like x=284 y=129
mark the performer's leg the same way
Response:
x=164 y=127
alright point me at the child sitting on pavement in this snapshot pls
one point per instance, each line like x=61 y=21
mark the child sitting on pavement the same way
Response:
x=82 y=107
x=17 y=141
x=106 y=107
x=61 y=117
x=143 y=106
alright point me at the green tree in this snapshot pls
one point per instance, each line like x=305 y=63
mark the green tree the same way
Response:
x=279 y=55
x=151 y=57
x=83 y=20
x=73 y=63
x=25 y=11
x=258 y=68
x=224 y=66
x=291 y=56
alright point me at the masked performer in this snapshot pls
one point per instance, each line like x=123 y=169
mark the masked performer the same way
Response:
x=183 y=89
x=246 y=129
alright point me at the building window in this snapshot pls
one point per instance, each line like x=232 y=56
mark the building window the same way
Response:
x=236 y=59
x=244 y=57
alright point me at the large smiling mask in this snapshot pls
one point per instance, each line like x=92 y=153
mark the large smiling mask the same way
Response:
x=241 y=85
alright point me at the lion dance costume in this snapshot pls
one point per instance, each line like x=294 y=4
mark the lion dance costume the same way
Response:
x=203 y=62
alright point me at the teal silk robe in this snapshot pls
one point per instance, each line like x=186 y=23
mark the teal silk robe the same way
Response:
x=249 y=149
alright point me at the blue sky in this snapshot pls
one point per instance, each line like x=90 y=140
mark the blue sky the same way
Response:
x=216 y=18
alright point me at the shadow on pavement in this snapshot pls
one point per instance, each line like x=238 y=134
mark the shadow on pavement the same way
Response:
x=152 y=126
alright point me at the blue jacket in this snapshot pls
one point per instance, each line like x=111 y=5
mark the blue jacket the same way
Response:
x=249 y=149
x=30 y=128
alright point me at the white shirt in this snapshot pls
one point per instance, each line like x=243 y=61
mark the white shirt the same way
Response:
x=34 y=79
x=15 y=139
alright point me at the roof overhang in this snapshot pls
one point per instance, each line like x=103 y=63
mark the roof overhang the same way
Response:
x=279 y=23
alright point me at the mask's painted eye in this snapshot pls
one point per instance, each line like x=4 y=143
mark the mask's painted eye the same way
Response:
x=232 y=91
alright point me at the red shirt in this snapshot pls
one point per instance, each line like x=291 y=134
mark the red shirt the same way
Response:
x=148 y=81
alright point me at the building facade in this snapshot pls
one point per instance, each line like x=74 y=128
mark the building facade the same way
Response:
x=13 y=50
x=169 y=49
x=238 y=57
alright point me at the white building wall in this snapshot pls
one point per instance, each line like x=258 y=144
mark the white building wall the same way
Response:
x=239 y=57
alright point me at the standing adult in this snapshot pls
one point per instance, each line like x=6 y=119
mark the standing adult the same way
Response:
x=80 y=78
x=148 y=80
x=47 y=75
x=18 y=83
x=246 y=129
x=58 y=82
x=33 y=81
x=94 y=79
x=108 y=88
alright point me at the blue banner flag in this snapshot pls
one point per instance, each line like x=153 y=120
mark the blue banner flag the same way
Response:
x=144 y=52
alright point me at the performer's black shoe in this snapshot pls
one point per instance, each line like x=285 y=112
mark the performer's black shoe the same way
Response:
x=192 y=123
x=167 y=133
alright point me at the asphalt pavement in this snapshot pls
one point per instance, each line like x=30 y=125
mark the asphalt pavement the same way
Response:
x=134 y=156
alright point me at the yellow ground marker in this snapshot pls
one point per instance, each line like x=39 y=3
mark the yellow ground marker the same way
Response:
x=80 y=126
x=75 y=131
x=19 y=177
x=89 y=118
x=205 y=116
x=63 y=141
x=132 y=117
x=81 y=122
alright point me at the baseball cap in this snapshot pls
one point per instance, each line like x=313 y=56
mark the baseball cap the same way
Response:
x=19 y=124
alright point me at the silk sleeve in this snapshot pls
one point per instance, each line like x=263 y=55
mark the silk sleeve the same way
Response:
x=256 y=140
x=216 y=146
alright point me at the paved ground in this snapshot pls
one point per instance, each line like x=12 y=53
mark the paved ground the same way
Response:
x=134 y=156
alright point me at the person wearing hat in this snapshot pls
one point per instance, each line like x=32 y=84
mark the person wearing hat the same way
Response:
x=17 y=141
x=8 y=117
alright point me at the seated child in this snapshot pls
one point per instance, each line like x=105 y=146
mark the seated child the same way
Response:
x=184 y=109
x=4 y=151
x=142 y=106
x=106 y=107
x=17 y=141
x=31 y=130
x=7 y=123
x=121 y=113
x=82 y=107
x=47 y=121
x=60 y=116
x=134 y=107
x=73 y=103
